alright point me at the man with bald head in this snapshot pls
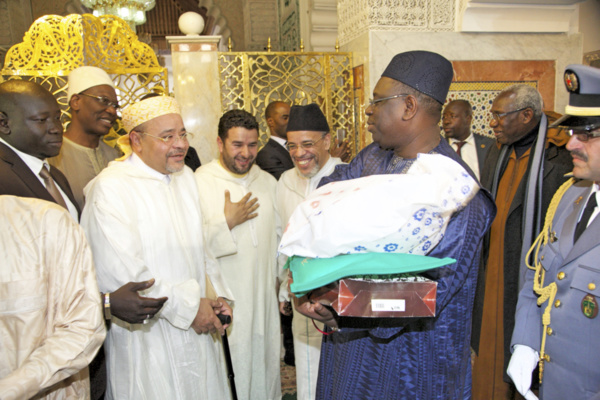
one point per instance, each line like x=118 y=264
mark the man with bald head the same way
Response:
x=143 y=219
x=30 y=132
x=456 y=122
x=93 y=103
x=414 y=358
x=273 y=157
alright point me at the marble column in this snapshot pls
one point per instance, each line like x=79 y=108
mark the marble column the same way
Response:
x=196 y=88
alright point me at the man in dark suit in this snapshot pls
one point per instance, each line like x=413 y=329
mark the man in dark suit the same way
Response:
x=472 y=148
x=522 y=175
x=566 y=340
x=30 y=132
x=274 y=157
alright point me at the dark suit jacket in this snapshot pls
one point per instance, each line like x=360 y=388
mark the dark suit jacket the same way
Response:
x=557 y=162
x=192 y=160
x=483 y=145
x=274 y=159
x=17 y=179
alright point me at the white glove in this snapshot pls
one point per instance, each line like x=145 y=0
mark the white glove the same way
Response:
x=522 y=363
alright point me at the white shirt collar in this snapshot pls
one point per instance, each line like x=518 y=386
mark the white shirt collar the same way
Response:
x=34 y=163
x=279 y=140
x=470 y=139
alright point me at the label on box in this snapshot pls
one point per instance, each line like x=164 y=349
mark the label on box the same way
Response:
x=388 y=305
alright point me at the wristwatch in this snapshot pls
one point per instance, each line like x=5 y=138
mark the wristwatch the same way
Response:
x=107 y=313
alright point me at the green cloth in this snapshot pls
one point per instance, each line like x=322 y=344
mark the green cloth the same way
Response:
x=313 y=273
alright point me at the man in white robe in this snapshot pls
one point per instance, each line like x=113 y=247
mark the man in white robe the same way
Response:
x=243 y=237
x=50 y=320
x=143 y=220
x=308 y=144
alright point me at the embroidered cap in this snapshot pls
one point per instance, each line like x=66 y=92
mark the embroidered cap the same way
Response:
x=307 y=118
x=83 y=78
x=144 y=111
x=427 y=72
x=583 y=84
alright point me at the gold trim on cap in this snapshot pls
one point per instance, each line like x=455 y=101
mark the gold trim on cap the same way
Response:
x=582 y=111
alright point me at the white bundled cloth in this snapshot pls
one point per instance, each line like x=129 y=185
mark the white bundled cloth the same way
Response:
x=397 y=213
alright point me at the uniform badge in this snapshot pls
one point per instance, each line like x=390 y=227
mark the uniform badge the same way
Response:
x=553 y=237
x=589 y=306
x=571 y=81
x=578 y=200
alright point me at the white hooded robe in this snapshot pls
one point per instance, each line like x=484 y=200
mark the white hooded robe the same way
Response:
x=247 y=259
x=142 y=225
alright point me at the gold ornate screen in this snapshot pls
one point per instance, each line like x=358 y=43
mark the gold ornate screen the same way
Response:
x=251 y=81
x=55 y=45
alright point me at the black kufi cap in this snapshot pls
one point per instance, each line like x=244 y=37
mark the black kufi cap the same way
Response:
x=307 y=118
x=583 y=110
x=427 y=72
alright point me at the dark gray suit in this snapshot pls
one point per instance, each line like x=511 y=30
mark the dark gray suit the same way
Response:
x=483 y=144
x=17 y=179
x=274 y=159
x=574 y=345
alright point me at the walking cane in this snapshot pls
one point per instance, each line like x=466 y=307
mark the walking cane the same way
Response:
x=225 y=319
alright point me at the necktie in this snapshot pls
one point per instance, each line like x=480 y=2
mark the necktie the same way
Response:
x=459 y=146
x=585 y=217
x=51 y=186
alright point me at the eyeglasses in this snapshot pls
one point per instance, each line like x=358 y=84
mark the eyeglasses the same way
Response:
x=307 y=145
x=374 y=102
x=104 y=101
x=498 y=116
x=583 y=134
x=170 y=139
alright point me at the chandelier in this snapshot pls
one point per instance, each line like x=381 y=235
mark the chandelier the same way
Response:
x=132 y=11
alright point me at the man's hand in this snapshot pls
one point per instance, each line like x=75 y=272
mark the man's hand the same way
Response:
x=521 y=365
x=206 y=319
x=341 y=150
x=225 y=309
x=128 y=305
x=240 y=212
x=315 y=310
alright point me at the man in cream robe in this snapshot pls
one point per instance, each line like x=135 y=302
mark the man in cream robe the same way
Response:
x=308 y=144
x=143 y=219
x=50 y=319
x=243 y=238
x=93 y=103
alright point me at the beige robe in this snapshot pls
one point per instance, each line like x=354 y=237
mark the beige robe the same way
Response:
x=81 y=164
x=51 y=323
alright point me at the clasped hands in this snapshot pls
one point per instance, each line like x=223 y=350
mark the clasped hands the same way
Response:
x=206 y=319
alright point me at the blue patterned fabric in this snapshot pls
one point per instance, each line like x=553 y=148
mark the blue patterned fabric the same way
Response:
x=422 y=358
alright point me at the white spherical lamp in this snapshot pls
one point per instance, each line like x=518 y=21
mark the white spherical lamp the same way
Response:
x=191 y=23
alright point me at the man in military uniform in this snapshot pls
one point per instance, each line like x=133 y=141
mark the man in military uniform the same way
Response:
x=562 y=334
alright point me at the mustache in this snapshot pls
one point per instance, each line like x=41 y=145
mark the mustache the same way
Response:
x=579 y=154
x=175 y=153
